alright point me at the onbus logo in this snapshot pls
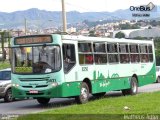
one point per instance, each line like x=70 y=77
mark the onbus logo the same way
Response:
x=142 y=8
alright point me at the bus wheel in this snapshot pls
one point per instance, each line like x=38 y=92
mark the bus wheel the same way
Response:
x=158 y=79
x=8 y=96
x=84 y=95
x=133 y=87
x=43 y=101
x=99 y=95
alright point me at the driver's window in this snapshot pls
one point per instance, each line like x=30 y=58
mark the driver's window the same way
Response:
x=54 y=57
x=69 y=59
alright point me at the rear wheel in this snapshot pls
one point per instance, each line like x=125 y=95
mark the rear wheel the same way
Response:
x=84 y=94
x=8 y=96
x=158 y=79
x=43 y=101
x=133 y=87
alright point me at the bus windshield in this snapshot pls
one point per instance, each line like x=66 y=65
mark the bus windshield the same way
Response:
x=37 y=59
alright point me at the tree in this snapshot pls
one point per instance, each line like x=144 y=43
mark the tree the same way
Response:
x=149 y=27
x=120 y=35
x=157 y=50
x=128 y=26
x=92 y=33
x=2 y=44
x=5 y=36
x=140 y=38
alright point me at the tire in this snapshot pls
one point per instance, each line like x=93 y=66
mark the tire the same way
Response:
x=99 y=95
x=133 y=87
x=43 y=101
x=84 y=94
x=158 y=79
x=8 y=96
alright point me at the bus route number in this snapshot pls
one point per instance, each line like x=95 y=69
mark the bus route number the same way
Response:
x=84 y=68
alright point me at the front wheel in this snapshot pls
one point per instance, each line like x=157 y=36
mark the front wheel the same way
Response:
x=84 y=94
x=133 y=87
x=43 y=101
x=8 y=96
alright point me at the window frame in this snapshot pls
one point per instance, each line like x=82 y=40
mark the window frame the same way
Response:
x=114 y=54
x=84 y=54
x=68 y=63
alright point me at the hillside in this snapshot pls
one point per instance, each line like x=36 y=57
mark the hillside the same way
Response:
x=43 y=18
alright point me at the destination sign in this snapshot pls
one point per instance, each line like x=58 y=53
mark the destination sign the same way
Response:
x=33 y=40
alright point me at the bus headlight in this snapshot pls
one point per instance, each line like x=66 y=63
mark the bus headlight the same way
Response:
x=15 y=85
x=54 y=84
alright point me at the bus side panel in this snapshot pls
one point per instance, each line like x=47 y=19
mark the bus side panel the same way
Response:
x=108 y=80
x=69 y=89
x=148 y=78
x=105 y=85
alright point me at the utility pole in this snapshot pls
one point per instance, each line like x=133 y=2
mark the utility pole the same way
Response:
x=64 y=17
x=25 y=26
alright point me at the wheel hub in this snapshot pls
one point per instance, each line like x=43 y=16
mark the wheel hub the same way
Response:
x=84 y=93
x=134 y=87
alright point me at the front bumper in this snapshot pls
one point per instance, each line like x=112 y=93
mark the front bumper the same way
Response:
x=63 y=90
x=23 y=93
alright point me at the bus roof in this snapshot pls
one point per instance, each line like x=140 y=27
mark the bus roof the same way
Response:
x=101 y=39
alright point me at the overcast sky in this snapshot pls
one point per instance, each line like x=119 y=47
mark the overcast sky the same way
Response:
x=77 y=5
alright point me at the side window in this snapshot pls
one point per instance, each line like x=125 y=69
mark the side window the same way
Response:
x=112 y=50
x=99 y=47
x=100 y=56
x=143 y=49
x=123 y=48
x=84 y=47
x=150 y=53
x=149 y=49
x=134 y=48
x=144 y=53
x=134 y=53
x=69 y=59
x=85 y=53
x=124 y=54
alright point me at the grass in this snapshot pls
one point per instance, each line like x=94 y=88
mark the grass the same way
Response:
x=105 y=108
x=5 y=64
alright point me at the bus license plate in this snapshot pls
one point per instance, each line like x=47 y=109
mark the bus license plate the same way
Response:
x=33 y=91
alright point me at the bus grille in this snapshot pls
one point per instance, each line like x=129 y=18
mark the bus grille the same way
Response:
x=35 y=94
x=39 y=86
x=33 y=79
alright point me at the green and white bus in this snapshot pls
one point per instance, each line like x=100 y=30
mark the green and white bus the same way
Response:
x=55 y=65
